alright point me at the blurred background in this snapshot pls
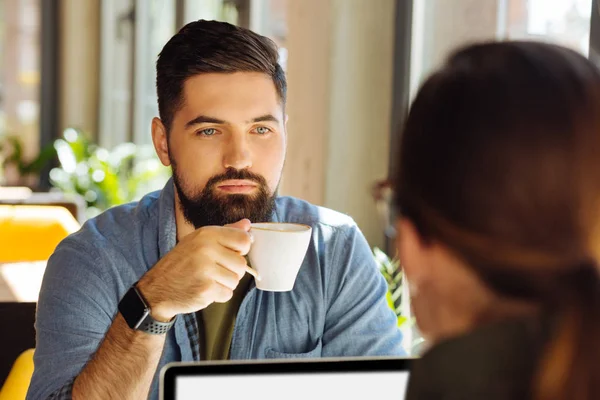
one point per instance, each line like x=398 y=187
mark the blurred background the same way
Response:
x=77 y=95
x=71 y=68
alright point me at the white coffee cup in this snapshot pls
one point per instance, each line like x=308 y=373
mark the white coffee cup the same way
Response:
x=277 y=254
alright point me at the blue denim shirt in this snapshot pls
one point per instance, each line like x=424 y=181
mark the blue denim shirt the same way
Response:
x=336 y=309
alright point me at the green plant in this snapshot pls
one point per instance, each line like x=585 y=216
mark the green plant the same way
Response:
x=398 y=300
x=105 y=178
x=391 y=271
x=14 y=146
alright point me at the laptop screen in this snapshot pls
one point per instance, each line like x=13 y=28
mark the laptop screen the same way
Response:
x=347 y=379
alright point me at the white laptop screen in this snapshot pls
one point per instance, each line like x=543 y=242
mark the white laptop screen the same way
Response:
x=291 y=386
x=312 y=380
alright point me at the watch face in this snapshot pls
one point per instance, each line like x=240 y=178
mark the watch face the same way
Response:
x=132 y=308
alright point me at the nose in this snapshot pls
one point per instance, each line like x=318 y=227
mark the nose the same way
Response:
x=237 y=154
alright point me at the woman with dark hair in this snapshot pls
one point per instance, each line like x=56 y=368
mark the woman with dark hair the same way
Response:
x=497 y=195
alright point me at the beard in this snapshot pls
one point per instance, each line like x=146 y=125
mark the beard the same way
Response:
x=207 y=208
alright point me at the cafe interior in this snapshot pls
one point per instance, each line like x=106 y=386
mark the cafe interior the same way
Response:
x=78 y=95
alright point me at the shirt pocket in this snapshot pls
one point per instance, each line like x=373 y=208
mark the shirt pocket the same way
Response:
x=314 y=353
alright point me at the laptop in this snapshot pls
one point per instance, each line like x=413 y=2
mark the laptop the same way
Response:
x=314 y=379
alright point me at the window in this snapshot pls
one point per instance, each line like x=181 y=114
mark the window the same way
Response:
x=232 y=11
x=133 y=32
x=565 y=22
x=20 y=32
x=155 y=24
x=440 y=26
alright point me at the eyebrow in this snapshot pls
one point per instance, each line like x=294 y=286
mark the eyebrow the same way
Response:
x=203 y=119
x=266 y=118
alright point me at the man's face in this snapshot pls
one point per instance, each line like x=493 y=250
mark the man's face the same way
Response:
x=227 y=148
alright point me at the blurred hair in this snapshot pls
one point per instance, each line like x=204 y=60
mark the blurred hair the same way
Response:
x=500 y=161
x=209 y=47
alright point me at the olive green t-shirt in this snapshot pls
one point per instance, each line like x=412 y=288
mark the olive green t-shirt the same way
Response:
x=217 y=321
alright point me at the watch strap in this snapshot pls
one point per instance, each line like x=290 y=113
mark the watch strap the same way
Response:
x=152 y=326
x=149 y=324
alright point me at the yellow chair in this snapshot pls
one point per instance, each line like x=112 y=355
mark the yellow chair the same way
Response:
x=16 y=384
x=31 y=233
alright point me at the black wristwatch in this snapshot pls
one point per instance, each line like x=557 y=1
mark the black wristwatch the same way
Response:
x=136 y=312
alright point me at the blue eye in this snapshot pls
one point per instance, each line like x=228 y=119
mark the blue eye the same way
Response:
x=262 y=130
x=207 y=132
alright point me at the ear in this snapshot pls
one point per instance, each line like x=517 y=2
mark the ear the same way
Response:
x=413 y=251
x=161 y=142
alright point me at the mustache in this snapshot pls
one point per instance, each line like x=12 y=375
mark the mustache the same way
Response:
x=237 y=174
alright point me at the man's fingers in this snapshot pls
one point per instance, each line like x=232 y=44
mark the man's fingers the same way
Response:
x=221 y=294
x=226 y=278
x=243 y=224
x=232 y=261
x=235 y=239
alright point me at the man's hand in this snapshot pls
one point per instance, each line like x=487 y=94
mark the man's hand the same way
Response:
x=204 y=267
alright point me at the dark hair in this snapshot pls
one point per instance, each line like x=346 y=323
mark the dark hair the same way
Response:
x=212 y=46
x=500 y=161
